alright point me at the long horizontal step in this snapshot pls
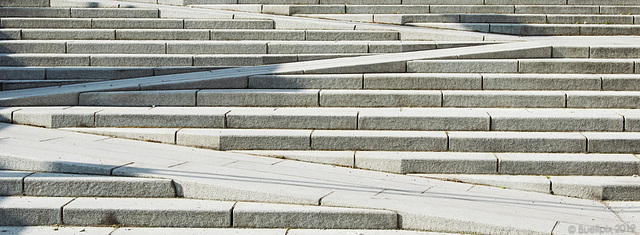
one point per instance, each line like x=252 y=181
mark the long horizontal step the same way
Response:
x=523 y=18
x=51 y=12
x=367 y=140
x=122 y=23
x=539 y=164
x=365 y=98
x=421 y=2
x=59 y=74
x=430 y=119
x=540 y=66
x=540 y=29
x=165 y=230
x=166 y=212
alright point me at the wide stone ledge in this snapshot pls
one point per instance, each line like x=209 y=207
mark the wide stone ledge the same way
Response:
x=23 y=211
x=550 y=142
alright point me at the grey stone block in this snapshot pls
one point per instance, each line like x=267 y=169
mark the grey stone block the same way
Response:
x=116 y=47
x=478 y=27
x=536 y=30
x=30 y=211
x=472 y=9
x=37 y=60
x=148 y=212
x=10 y=34
x=339 y=158
x=278 y=2
x=52 y=23
x=385 y=67
x=26 y=84
x=597 y=188
x=177 y=70
x=6 y=114
x=567 y=164
x=162 y=34
x=317 y=47
x=257 y=34
x=589 y=19
x=139 y=98
x=518 y=53
x=614 y=52
x=67 y=185
x=25 y=3
x=301 y=9
x=525 y=2
x=443 y=2
x=530 y=99
x=293 y=118
x=378 y=140
x=21 y=73
x=622 y=10
x=541 y=82
x=228 y=24
x=613 y=142
x=621 y=82
x=415 y=18
x=159 y=135
x=62 y=34
x=494 y=18
x=362 y=2
x=258 y=97
x=97 y=73
x=462 y=66
x=310 y=57
x=545 y=9
x=34 y=12
x=121 y=60
x=243 y=139
x=220 y=231
x=427 y=162
x=406 y=46
x=367 y=18
x=215 y=47
x=380 y=98
x=351 y=35
x=601 y=2
x=133 y=23
x=162 y=117
x=242 y=60
x=423 y=119
x=11 y=182
x=232 y=6
x=21 y=46
x=55 y=117
x=387 y=9
x=570 y=52
x=548 y=142
x=591 y=29
x=423 y=81
x=315 y=81
x=114 y=13
x=259 y=215
x=555 y=120
x=576 y=66
x=603 y=99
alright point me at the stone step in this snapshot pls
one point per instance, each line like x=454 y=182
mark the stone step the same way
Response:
x=124 y=23
x=540 y=29
x=50 y=12
x=533 y=66
x=488 y=18
x=616 y=188
x=24 y=3
x=16 y=183
x=24 y=75
x=423 y=119
x=164 y=230
x=367 y=98
x=167 y=212
x=26 y=84
x=437 y=141
x=481 y=164
x=424 y=2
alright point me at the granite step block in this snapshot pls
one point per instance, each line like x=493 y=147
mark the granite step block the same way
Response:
x=162 y=34
x=621 y=82
x=245 y=139
x=45 y=23
x=25 y=3
x=351 y=35
x=293 y=118
x=463 y=66
x=161 y=117
x=140 y=60
x=115 y=47
x=139 y=98
x=10 y=34
x=577 y=66
x=614 y=188
x=610 y=142
x=590 y=19
x=216 y=47
x=303 y=81
x=520 y=99
x=317 y=47
x=27 y=84
x=9 y=47
x=387 y=9
x=70 y=185
x=545 y=142
x=34 y=60
x=423 y=119
x=48 y=12
x=558 y=9
x=567 y=164
x=229 y=24
x=135 y=23
x=423 y=81
x=114 y=13
x=23 y=211
x=562 y=82
x=258 y=97
x=380 y=98
x=11 y=182
x=61 y=34
x=556 y=120
x=258 y=34
x=303 y=9
x=239 y=60
x=498 y=9
x=603 y=99
x=427 y=162
x=378 y=140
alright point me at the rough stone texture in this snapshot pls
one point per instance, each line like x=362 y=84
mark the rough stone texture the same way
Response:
x=228 y=24
x=593 y=29
x=60 y=34
x=549 y=142
x=603 y=99
x=162 y=34
x=632 y=122
x=427 y=162
x=161 y=117
x=259 y=215
x=387 y=9
x=537 y=9
x=378 y=140
x=242 y=60
x=97 y=73
x=25 y=3
x=613 y=142
x=570 y=52
x=411 y=18
x=11 y=182
x=536 y=30
x=37 y=60
x=621 y=82
x=351 y=35
x=525 y=2
x=132 y=23
x=400 y=46
x=589 y=19
x=115 y=47
x=257 y=34
x=567 y=164
x=23 y=211
x=9 y=73
x=114 y=13
x=56 y=117
x=258 y=97
x=388 y=67
x=471 y=9
x=240 y=139
x=443 y=2
x=462 y=66
x=300 y=9
x=293 y=118
x=10 y=34
x=197 y=231
x=148 y=212
x=44 y=230
x=141 y=60
x=478 y=27
x=597 y=188
x=316 y=81
x=53 y=23
x=139 y=98
x=6 y=114
x=317 y=47
x=423 y=81
x=521 y=182
x=493 y=18
x=541 y=82
x=67 y=185
x=623 y=10
x=423 y=119
x=532 y=99
x=216 y=47
x=380 y=98
x=614 y=52
x=34 y=12
x=555 y=120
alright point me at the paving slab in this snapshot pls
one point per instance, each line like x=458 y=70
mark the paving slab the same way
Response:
x=255 y=215
x=148 y=212
x=12 y=182
x=549 y=142
x=56 y=117
x=315 y=81
x=423 y=81
x=244 y=139
x=44 y=230
x=526 y=183
x=427 y=162
x=161 y=117
x=258 y=97
x=69 y=185
x=339 y=158
x=541 y=82
x=555 y=120
x=160 y=135
x=521 y=99
x=617 y=188
x=293 y=118
x=378 y=140
x=423 y=119
x=566 y=164
x=613 y=142
x=21 y=211
x=626 y=212
x=380 y=98
x=139 y=98
x=602 y=99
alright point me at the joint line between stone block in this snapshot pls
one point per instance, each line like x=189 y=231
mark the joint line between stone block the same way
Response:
x=112 y=169
x=231 y=214
x=23 y=185
x=62 y=210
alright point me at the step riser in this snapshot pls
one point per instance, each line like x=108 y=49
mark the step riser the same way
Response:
x=80 y=12
x=540 y=29
x=541 y=66
x=87 y=23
